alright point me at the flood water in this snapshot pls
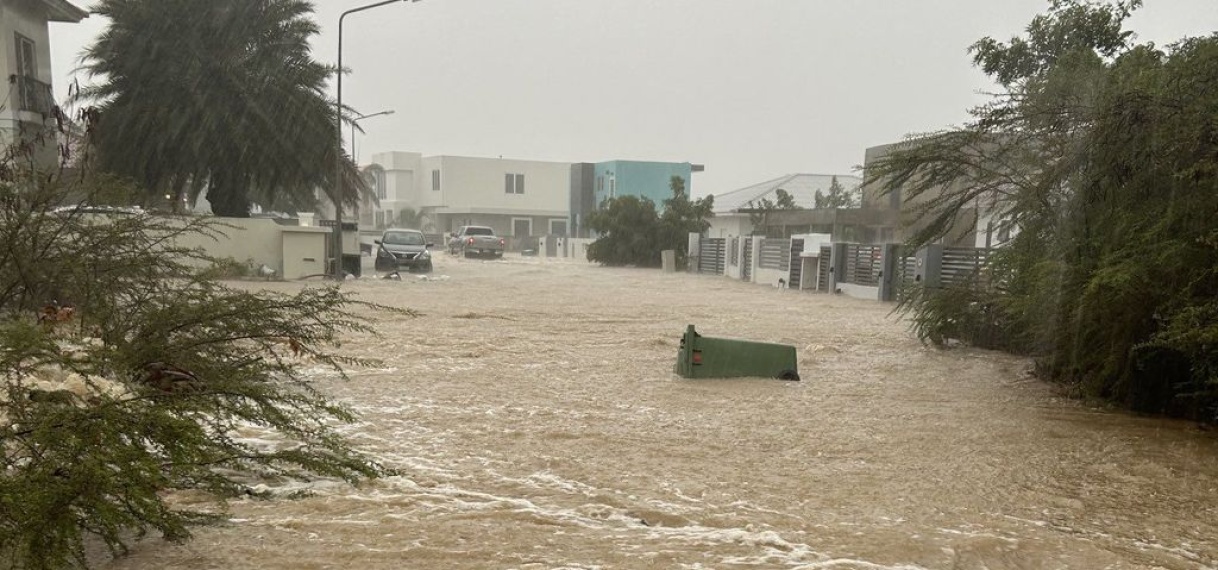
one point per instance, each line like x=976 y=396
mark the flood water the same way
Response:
x=536 y=419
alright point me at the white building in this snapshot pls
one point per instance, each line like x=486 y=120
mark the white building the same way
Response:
x=25 y=66
x=732 y=217
x=519 y=198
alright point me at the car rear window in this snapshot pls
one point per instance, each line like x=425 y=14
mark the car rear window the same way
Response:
x=403 y=238
x=479 y=232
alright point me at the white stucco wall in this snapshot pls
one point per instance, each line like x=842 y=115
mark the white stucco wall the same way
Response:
x=726 y=225
x=17 y=18
x=477 y=185
x=472 y=190
x=859 y=291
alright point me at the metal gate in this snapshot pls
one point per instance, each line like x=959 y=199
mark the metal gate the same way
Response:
x=796 y=264
x=823 y=263
x=710 y=255
x=907 y=264
x=962 y=266
x=746 y=266
x=775 y=254
x=863 y=264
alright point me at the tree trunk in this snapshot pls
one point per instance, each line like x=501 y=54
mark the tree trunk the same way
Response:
x=228 y=196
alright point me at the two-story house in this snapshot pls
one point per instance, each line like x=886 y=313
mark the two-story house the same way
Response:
x=982 y=224
x=519 y=198
x=27 y=104
x=593 y=183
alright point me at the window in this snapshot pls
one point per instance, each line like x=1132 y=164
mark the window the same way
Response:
x=435 y=180
x=558 y=227
x=31 y=94
x=403 y=238
x=513 y=184
x=1004 y=230
x=612 y=187
x=378 y=182
x=26 y=64
x=389 y=220
x=522 y=227
x=600 y=184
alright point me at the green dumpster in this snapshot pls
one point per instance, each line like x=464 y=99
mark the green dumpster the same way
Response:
x=707 y=357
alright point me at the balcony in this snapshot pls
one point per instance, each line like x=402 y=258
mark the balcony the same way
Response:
x=33 y=95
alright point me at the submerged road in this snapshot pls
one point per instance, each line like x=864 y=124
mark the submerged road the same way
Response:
x=536 y=419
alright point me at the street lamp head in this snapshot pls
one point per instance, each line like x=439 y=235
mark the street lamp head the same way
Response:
x=370 y=115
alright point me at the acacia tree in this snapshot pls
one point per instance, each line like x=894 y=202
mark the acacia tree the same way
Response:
x=220 y=96
x=1102 y=153
x=127 y=373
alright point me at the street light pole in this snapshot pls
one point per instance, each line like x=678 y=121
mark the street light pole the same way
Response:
x=354 y=154
x=338 y=160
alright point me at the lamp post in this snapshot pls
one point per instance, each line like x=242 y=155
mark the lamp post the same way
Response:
x=338 y=160
x=356 y=120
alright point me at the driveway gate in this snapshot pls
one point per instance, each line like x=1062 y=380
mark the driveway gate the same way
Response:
x=746 y=265
x=710 y=255
x=796 y=263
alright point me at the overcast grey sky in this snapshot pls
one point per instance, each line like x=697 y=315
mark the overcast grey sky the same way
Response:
x=753 y=89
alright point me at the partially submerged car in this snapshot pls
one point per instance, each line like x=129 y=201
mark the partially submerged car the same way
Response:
x=403 y=249
x=477 y=240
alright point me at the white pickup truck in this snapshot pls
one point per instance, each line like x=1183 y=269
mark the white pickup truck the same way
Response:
x=477 y=240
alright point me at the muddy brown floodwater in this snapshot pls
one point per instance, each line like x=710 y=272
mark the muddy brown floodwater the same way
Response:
x=536 y=419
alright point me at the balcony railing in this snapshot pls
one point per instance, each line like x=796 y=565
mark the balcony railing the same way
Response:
x=33 y=95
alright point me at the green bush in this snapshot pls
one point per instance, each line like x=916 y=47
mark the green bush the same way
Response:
x=126 y=375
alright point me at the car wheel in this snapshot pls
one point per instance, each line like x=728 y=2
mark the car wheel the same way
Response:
x=425 y=268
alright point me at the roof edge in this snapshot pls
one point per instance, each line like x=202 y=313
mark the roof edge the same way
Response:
x=64 y=11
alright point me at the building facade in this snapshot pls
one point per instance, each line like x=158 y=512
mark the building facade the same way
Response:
x=28 y=106
x=737 y=213
x=973 y=226
x=593 y=183
x=520 y=199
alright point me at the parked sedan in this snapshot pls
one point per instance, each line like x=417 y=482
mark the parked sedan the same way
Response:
x=403 y=249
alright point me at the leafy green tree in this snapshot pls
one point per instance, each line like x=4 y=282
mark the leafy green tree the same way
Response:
x=1102 y=153
x=221 y=97
x=127 y=374
x=759 y=211
x=837 y=197
x=627 y=227
x=783 y=200
x=681 y=217
x=631 y=233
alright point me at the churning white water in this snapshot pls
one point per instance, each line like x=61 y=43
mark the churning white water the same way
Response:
x=536 y=419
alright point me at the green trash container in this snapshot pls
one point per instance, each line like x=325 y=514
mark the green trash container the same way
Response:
x=708 y=357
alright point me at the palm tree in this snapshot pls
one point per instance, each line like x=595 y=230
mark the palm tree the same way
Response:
x=221 y=96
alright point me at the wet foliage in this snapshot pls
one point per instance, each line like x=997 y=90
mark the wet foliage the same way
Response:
x=128 y=374
x=1103 y=155
x=632 y=233
x=220 y=98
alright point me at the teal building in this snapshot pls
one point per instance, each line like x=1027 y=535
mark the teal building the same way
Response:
x=635 y=178
x=593 y=183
